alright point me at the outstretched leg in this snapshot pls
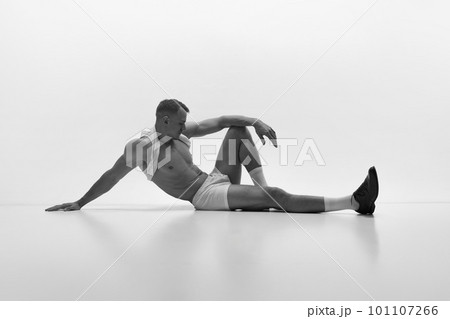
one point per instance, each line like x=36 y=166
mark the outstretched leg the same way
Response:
x=239 y=149
x=249 y=197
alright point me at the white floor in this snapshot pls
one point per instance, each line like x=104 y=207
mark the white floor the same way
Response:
x=402 y=253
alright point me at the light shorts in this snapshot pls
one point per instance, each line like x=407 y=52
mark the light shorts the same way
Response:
x=212 y=195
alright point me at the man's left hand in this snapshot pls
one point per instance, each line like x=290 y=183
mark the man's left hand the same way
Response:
x=262 y=129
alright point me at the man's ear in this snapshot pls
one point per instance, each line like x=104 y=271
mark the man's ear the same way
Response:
x=166 y=119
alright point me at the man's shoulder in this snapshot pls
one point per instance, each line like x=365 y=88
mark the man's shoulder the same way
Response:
x=185 y=140
x=138 y=145
x=136 y=151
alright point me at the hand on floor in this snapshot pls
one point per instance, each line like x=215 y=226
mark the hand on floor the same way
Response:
x=65 y=207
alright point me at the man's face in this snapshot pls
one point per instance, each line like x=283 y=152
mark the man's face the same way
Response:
x=177 y=124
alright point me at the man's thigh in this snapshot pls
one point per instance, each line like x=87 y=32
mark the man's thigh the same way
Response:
x=249 y=197
x=228 y=158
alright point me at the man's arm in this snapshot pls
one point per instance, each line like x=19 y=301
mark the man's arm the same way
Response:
x=107 y=181
x=214 y=125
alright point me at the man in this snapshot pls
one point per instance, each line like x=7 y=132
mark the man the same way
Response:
x=162 y=153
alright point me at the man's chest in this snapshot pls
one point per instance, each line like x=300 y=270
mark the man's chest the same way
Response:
x=174 y=154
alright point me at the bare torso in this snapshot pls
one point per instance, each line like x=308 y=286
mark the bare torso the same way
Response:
x=179 y=177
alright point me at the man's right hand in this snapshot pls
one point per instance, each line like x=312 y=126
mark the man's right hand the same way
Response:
x=65 y=207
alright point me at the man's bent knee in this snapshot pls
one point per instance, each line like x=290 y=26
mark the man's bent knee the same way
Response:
x=239 y=130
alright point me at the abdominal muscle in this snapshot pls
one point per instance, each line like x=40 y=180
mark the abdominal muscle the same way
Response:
x=179 y=177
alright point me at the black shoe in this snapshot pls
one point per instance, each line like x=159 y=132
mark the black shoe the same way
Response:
x=367 y=193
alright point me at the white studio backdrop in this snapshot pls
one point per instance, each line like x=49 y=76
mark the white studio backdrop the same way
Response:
x=372 y=94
